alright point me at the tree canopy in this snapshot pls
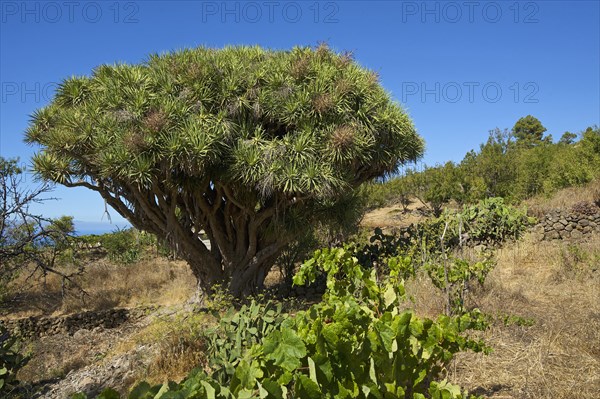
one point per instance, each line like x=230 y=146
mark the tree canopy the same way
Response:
x=244 y=143
x=529 y=130
x=501 y=167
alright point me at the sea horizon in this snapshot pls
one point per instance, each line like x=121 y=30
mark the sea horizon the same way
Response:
x=83 y=228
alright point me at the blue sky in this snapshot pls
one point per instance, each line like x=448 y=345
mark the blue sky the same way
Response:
x=459 y=68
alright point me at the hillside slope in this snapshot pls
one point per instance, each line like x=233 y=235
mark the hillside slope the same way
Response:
x=542 y=296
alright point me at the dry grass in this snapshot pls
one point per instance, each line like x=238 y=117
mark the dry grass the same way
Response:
x=175 y=343
x=394 y=216
x=423 y=297
x=554 y=285
x=57 y=355
x=563 y=199
x=153 y=281
x=557 y=285
x=550 y=345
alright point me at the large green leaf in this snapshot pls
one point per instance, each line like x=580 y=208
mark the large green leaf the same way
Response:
x=307 y=388
x=285 y=349
x=247 y=374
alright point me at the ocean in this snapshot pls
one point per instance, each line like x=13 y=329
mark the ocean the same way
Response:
x=83 y=228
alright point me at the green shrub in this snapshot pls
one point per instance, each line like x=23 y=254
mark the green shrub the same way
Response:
x=10 y=360
x=510 y=320
x=455 y=275
x=126 y=246
x=493 y=221
x=501 y=167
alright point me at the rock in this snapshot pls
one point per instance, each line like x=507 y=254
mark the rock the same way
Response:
x=537 y=236
x=558 y=226
x=563 y=222
x=80 y=334
x=122 y=363
x=576 y=234
x=569 y=227
x=552 y=235
x=97 y=330
x=86 y=381
x=584 y=222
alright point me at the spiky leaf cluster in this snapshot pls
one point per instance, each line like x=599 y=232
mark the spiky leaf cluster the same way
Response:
x=305 y=122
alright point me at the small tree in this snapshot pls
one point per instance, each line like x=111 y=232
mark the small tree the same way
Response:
x=567 y=138
x=436 y=186
x=529 y=131
x=495 y=165
x=25 y=237
x=590 y=139
x=402 y=188
x=246 y=144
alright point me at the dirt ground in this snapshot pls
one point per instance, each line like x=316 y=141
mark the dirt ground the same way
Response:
x=395 y=216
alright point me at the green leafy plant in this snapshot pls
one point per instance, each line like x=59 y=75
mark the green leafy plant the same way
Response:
x=511 y=319
x=294 y=253
x=126 y=246
x=237 y=331
x=493 y=221
x=455 y=277
x=10 y=360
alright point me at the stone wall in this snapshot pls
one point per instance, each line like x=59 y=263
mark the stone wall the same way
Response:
x=37 y=326
x=568 y=224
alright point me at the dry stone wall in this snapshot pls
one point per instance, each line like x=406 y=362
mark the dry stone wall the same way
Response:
x=568 y=224
x=37 y=326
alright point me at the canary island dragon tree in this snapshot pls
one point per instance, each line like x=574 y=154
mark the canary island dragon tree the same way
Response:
x=246 y=144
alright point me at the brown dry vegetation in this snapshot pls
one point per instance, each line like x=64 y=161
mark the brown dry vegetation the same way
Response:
x=394 y=216
x=555 y=285
x=152 y=281
x=564 y=199
x=177 y=343
x=544 y=298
